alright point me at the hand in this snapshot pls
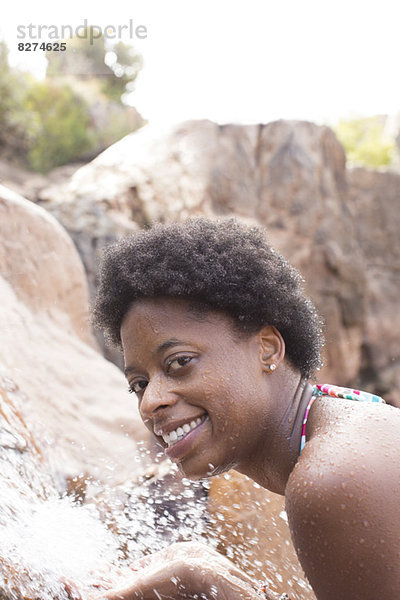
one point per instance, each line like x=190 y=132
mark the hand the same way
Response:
x=186 y=570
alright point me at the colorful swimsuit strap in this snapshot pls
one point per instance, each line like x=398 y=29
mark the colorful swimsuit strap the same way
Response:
x=336 y=392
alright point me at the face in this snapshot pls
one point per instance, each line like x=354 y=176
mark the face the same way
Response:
x=200 y=389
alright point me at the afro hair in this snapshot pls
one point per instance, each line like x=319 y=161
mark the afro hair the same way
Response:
x=220 y=265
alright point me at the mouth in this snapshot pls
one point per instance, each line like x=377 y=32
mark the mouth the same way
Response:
x=178 y=434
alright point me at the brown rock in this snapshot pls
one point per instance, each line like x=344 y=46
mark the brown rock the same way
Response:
x=74 y=399
x=375 y=198
x=290 y=176
x=29 y=184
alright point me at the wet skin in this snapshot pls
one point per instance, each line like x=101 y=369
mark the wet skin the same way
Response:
x=342 y=494
x=183 y=367
x=343 y=501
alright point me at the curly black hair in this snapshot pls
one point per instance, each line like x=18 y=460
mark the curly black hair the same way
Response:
x=219 y=265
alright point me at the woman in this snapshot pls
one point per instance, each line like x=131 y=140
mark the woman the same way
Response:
x=219 y=343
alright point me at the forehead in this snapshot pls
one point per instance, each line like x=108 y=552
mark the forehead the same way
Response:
x=150 y=319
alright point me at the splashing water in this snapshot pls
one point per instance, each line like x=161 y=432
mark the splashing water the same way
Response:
x=47 y=542
x=52 y=542
x=48 y=539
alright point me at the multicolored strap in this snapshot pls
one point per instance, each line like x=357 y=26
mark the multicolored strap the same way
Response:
x=335 y=391
x=347 y=393
x=303 y=430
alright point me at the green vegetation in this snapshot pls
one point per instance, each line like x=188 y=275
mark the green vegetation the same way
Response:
x=14 y=121
x=60 y=130
x=125 y=65
x=78 y=109
x=366 y=143
x=115 y=68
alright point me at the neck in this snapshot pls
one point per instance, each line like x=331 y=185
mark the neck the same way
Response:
x=280 y=452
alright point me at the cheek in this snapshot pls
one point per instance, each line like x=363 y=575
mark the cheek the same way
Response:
x=224 y=398
x=146 y=422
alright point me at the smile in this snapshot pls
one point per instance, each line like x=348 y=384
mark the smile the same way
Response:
x=180 y=432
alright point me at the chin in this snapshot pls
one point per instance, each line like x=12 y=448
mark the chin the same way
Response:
x=203 y=473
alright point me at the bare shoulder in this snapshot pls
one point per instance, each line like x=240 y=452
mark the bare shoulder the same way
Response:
x=343 y=502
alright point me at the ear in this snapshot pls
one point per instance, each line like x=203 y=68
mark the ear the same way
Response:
x=272 y=348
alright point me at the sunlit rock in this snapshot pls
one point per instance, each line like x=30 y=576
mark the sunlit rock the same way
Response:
x=75 y=400
x=375 y=199
x=67 y=426
x=290 y=176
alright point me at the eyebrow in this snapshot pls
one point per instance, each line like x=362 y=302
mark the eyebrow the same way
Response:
x=164 y=346
x=129 y=369
x=168 y=344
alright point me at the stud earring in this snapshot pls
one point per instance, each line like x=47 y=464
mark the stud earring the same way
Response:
x=272 y=367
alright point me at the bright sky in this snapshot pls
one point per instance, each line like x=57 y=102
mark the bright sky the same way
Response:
x=245 y=60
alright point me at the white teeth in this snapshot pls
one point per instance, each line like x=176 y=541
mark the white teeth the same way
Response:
x=180 y=432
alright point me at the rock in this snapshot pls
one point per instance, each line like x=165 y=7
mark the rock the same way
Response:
x=289 y=176
x=15 y=177
x=28 y=183
x=374 y=197
x=74 y=400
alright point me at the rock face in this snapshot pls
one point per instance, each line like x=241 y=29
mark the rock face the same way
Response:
x=375 y=200
x=289 y=176
x=74 y=400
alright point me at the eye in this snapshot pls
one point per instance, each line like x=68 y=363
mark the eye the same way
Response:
x=137 y=386
x=178 y=363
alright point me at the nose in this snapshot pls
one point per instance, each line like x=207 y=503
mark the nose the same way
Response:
x=155 y=398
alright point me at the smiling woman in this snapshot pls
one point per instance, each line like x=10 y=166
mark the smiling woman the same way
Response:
x=219 y=342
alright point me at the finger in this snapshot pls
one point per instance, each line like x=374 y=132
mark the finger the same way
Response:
x=167 y=581
x=72 y=591
x=242 y=576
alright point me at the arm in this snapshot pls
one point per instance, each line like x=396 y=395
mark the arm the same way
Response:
x=344 y=519
x=187 y=570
